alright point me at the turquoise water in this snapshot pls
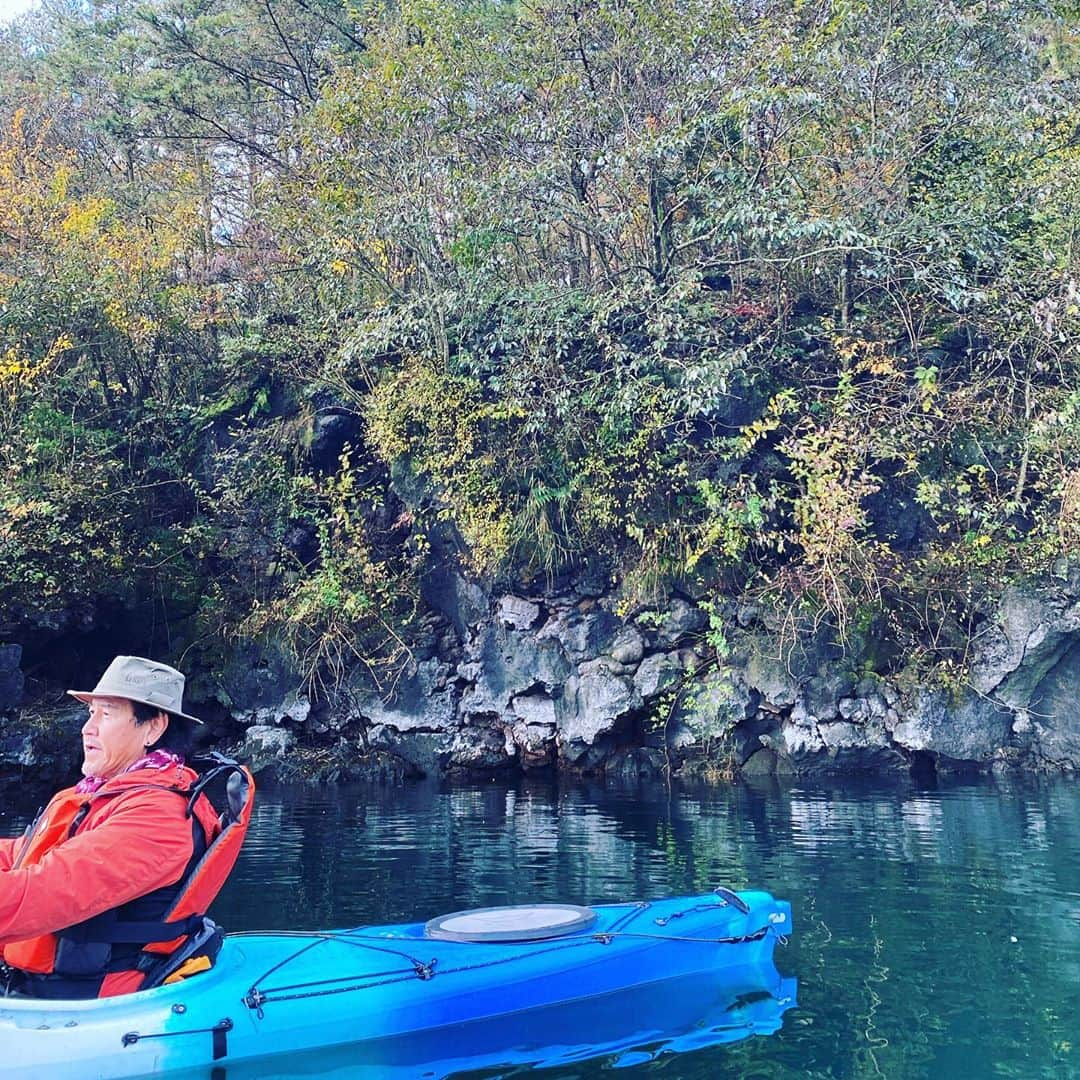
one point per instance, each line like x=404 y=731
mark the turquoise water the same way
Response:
x=937 y=932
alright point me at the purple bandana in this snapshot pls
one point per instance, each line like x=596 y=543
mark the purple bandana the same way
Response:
x=156 y=759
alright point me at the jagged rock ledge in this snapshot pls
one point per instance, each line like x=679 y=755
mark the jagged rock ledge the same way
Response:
x=559 y=680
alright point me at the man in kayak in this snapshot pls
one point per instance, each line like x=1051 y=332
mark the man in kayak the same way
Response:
x=86 y=891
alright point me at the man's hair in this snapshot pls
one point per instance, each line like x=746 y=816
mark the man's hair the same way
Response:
x=177 y=737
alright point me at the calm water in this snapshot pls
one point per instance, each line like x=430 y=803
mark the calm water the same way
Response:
x=937 y=933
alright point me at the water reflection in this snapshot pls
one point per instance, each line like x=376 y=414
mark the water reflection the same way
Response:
x=936 y=932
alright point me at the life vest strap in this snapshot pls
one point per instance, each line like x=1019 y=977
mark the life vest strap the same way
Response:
x=124 y=932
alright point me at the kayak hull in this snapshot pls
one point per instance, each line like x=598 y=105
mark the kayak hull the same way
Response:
x=376 y=988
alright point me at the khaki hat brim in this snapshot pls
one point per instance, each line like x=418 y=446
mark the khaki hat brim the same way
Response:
x=85 y=696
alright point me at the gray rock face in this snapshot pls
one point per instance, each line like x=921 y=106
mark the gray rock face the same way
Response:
x=761 y=763
x=17 y=748
x=591 y=706
x=770 y=676
x=1054 y=715
x=534 y=744
x=657 y=673
x=1028 y=663
x=537 y=710
x=972 y=729
x=530 y=681
x=808 y=748
x=628 y=647
x=637 y=763
x=426 y=752
x=262 y=686
x=509 y=664
x=532 y=732
x=11 y=678
x=294 y=707
x=681 y=619
x=463 y=602
x=715 y=706
x=48 y=749
x=604 y=665
x=823 y=692
x=567 y=680
x=1031 y=633
x=263 y=744
x=582 y=635
x=518 y=613
x=481 y=748
x=421 y=700
x=598 y=701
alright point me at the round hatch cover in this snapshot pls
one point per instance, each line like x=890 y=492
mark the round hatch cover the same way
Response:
x=520 y=922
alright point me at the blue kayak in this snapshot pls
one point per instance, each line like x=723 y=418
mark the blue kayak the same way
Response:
x=371 y=996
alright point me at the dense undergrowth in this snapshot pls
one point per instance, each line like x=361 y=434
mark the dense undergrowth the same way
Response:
x=771 y=300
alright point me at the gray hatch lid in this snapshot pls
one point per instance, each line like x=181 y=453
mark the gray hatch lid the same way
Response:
x=519 y=922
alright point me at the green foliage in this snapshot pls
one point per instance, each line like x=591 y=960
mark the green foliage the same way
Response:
x=692 y=291
x=557 y=428
x=352 y=606
x=841 y=218
x=716 y=637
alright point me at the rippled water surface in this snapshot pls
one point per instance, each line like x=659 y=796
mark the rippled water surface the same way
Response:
x=937 y=933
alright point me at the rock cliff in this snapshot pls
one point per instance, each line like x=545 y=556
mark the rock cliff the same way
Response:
x=528 y=680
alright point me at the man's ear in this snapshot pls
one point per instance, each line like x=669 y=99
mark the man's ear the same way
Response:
x=158 y=725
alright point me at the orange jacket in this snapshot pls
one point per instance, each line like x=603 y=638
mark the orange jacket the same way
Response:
x=134 y=838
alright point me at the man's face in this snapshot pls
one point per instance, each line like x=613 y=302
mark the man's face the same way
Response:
x=111 y=741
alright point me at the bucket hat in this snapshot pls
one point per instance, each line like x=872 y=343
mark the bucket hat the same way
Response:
x=145 y=681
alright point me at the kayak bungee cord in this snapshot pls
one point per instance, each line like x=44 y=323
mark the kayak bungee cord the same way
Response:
x=256 y=998
x=342 y=937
